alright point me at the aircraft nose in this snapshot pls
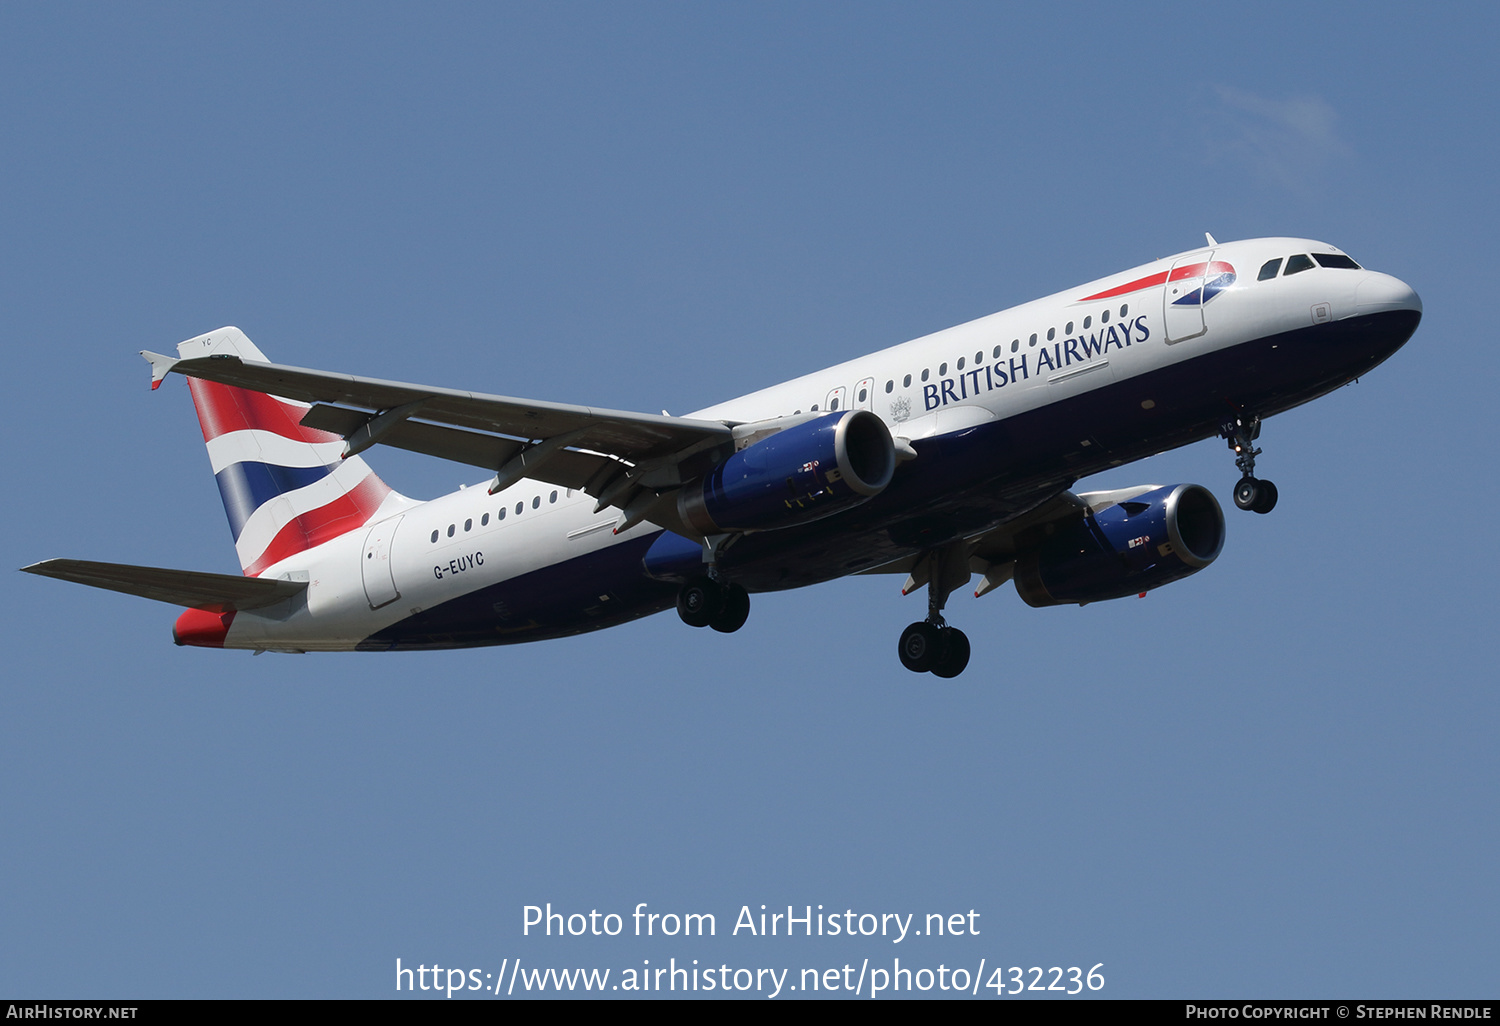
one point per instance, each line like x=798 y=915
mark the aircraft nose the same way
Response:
x=1381 y=293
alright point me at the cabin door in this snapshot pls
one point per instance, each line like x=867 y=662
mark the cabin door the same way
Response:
x=380 y=580
x=1182 y=298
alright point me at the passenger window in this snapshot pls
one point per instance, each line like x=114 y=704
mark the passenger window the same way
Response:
x=1338 y=260
x=862 y=395
x=979 y=356
x=890 y=386
x=520 y=506
x=434 y=537
x=1086 y=322
x=942 y=369
x=960 y=363
x=1268 y=270
x=814 y=407
x=536 y=502
x=1012 y=348
x=1069 y=329
x=1033 y=339
x=484 y=520
x=925 y=372
x=469 y=525
x=1015 y=344
x=553 y=497
x=906 y=381
x=450 y=530
x=1051 y=334
x=833 y=407
x=1294 y=265
x=1124 y=309
x=1104 y=317
x=501 y=514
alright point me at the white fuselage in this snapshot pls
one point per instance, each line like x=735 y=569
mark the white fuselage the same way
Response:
x=990 y=369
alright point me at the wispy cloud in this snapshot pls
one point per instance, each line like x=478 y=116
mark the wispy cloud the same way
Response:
x=1290 y=143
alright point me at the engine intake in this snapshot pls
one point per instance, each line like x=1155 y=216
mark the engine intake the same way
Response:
x=1154 y=538
x=805 y=472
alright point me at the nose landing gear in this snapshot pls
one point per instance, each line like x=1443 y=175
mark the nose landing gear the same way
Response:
x=1251 y=493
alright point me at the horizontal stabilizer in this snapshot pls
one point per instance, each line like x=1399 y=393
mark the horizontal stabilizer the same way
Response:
x=161 y=366
x=216 y=593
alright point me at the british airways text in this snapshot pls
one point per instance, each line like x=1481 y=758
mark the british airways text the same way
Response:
x=1053 y=357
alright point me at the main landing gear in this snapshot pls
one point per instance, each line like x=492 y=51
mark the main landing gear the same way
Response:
x=930 y=645
x=936 y=648
x=708 y=602
x=1251 y=493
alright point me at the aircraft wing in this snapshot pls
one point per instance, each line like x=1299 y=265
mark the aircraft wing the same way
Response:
x=1000 y=544
x=217 y=593
x=994 y=553
x=575 y=446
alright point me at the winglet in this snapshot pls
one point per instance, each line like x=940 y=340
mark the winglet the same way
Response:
x=161 y=366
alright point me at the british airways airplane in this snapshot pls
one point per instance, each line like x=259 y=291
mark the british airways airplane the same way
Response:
x=944 y=458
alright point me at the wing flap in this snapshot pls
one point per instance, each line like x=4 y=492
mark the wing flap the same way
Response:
x=216 y=593
x=569 y=468
x=999 y=545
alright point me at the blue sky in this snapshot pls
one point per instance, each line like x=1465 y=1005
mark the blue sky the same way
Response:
x=1277 y=778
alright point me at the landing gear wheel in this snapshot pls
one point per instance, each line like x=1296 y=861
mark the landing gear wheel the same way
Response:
x=955 y=654
x=699 y=601
x=1255 y=495
x=921 y=647
x=734 y=612
x=1247 y=493
x=1266 y=501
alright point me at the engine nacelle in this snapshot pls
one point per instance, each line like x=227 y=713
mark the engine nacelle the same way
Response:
x=805 y=472
x=1153 y=538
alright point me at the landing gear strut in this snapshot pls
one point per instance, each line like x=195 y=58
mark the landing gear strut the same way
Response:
x=707 y=602
x=930 y=645
x=1251 y=493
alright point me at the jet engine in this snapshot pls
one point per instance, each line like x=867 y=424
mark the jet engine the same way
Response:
x=1154 y=538
x=805 y=472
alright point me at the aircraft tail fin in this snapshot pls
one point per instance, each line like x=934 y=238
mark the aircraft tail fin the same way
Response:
x=286 y=488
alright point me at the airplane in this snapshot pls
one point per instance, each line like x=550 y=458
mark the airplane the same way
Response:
x=939 y=459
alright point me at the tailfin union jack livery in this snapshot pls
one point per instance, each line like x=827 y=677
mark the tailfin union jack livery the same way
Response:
x=945 y=459
x=286 y=488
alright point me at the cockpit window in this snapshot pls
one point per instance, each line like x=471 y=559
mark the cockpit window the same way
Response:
x=1336 y=260
x=1268 y=269
x=1300 y=262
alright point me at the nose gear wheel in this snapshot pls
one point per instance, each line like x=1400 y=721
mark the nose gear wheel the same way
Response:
x=1251 y=493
